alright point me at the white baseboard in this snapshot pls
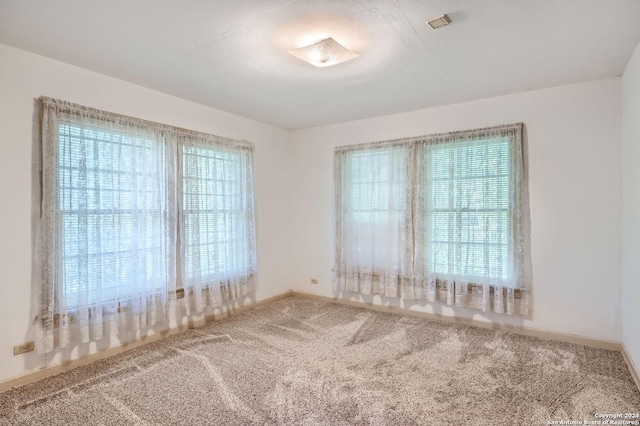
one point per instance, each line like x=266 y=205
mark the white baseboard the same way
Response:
x=633 y=368
x=528 y=331
x=114 y=350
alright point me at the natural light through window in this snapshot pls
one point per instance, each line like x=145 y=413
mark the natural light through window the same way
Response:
x=436 y=217
x=112 y=191
x=468 y=208
x=214 y=214
x=377 y=205
x=141 y=221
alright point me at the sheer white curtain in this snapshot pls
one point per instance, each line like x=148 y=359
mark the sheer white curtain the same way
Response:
x=373 y=220
x=464 y=209
x=111 y=238
x=470 y=218
x=217 y=221
x=108 y=241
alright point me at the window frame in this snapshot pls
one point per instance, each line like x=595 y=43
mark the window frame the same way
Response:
x=474 y=280
x=403 y=212
x=185 y=283
x=115 y=290
x=519 y=278
x=182 y=286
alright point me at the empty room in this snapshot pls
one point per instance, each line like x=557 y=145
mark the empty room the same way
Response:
x=296 y=212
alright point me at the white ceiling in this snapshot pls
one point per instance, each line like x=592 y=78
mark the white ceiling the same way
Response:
x=232 y=55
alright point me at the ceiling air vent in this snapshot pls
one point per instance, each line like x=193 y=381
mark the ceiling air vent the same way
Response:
x=439 y=22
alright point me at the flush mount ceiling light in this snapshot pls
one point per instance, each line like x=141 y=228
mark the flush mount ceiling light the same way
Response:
x=324 y=53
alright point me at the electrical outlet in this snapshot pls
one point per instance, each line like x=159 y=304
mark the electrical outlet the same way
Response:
x=24 y=348
x=314 y=281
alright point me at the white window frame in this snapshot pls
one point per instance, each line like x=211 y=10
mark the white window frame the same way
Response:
x=148 y=303
x=419 y=278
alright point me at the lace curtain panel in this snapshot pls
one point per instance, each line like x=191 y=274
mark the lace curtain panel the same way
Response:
x=217 y=232
x=439 y=218
x=132 y=211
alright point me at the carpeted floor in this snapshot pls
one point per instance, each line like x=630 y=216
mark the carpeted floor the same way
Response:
x=305 y=362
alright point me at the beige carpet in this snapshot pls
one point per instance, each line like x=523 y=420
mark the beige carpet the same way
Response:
x=304 y=362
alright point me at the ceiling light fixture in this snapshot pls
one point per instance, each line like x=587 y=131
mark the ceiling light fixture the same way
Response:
x=324 y=53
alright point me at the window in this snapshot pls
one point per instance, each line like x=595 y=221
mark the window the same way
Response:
x=114 y=225
x=216 y=209
x=377 y=207
x=468 y=229
x=434 y=217
x=134 y=215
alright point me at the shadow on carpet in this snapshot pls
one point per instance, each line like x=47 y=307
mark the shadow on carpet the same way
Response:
x=300 y=361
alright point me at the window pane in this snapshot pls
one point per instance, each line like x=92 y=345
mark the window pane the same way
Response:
x=215 y=214
x=112 y=208
x=375 y=203
x=468 y=208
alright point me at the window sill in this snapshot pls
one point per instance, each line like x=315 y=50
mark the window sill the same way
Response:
x=441 y=284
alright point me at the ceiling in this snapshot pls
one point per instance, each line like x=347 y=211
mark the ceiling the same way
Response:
x=231 y=55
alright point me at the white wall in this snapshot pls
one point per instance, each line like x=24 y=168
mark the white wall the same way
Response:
x=631 y=208
x=574 y=148
x=23 y=78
